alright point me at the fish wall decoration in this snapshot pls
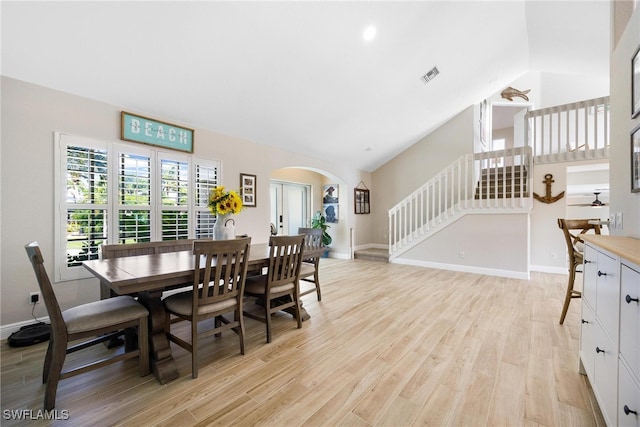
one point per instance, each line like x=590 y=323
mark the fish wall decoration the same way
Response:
x=509 y=93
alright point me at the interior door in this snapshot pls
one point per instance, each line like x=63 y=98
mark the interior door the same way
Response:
x=289 y=206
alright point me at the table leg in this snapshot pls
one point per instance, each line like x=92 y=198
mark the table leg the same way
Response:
x=162 y=363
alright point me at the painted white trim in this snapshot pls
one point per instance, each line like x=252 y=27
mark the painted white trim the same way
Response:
x=6 y=330
x=549 y=269
x=339 y=255
x=464 y=268
x=372 y=246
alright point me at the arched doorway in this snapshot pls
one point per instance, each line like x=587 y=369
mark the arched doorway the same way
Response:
x=296 y=207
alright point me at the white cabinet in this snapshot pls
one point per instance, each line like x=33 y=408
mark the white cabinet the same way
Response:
x=610 y=329
x=630 y=318
x=629 y=386
x=599 y=337
x=629 y=397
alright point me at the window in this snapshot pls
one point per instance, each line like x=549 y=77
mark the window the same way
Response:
x=86 y=202
x=134 y=198
x=117 y=193
x=206 y=177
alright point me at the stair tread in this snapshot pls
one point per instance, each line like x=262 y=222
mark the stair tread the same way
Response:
x=372 y=254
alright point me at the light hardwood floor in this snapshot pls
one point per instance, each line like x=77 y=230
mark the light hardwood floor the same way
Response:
x=389 y=345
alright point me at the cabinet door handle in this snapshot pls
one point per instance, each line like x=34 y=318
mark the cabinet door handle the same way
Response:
x=586 y=261
x=584 y=321
x=600 y=273
x=599 y=350
x=628 y=299
x=628 y=411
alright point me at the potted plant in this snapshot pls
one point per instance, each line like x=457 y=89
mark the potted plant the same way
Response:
x=319 y=221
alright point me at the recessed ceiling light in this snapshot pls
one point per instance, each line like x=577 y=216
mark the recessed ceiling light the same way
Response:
x=369 y=33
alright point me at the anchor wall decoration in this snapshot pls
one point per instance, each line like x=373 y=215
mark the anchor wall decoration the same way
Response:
x=548 y=198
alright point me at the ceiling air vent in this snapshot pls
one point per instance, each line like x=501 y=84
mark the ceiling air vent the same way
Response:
x=431 y=74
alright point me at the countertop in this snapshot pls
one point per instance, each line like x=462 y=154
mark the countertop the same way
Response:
x=625 y=247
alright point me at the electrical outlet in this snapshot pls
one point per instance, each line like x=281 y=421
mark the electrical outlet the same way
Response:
x=554 y=255
x=612 y=221
x=619 y=220
x=34 y=297
x=461 y=254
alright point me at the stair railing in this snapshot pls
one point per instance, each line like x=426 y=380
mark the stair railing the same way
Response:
x=458 y=190
x=577 y=131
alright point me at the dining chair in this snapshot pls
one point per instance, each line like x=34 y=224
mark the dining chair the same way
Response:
x=97 y=320
x=220 y=270
x=310 y=264
x=278 y=289
x=572 y=229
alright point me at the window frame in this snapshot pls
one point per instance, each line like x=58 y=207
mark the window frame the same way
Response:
x=64 y=272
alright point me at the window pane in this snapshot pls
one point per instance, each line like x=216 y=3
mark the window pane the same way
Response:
x=134 y=180
x=175 y=183
x=175 y=225
x=206 y=180
x=134 y=226
x=86 y=175
x=204 y=224
x=86 y=231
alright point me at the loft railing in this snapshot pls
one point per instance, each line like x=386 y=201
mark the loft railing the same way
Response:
x=577 y=131
x=488 y=182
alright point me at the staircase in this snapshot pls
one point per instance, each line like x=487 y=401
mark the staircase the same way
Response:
x=372 y=254
x=502 y=183
x=498 y=182
x=473 y=184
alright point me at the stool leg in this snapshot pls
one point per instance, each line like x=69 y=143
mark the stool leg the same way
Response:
x=567 y=298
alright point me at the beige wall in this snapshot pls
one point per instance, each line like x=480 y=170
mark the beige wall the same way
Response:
x=410 y=169
x=31 y=114
x=488 y=244
x=621 y=198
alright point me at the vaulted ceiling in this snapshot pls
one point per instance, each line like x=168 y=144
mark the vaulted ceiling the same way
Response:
x=299 y=75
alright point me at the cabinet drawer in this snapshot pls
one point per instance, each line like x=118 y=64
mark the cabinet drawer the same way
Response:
x=588 y=340
x=608 y=294
x=605 y=383
x=630 y=318
x=590 y=275
x=629 y=397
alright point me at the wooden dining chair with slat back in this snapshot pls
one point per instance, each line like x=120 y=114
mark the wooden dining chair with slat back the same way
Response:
x=309 y=268
x=572 y=229
x=96 y=320
x=216 y=291
x=279 y=288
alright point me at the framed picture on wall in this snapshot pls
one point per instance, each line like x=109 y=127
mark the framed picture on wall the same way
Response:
x=361 y=200
x=635 y=84
x=635 y=160
x=330 y=211
x=330 y=193
x=248 y=190
x=330 y=202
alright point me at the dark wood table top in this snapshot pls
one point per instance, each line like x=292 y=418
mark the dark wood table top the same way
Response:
x=151 y=272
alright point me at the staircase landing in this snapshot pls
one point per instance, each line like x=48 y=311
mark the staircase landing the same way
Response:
x=372 y=254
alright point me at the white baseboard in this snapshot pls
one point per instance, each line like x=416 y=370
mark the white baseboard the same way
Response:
x=339 y=255
x=548 y=269
x=464 y=268
x=6 y=330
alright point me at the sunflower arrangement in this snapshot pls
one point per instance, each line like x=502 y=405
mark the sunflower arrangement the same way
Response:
x=224 y=202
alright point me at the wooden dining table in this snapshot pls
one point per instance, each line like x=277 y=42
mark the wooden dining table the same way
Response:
x=149 y=276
